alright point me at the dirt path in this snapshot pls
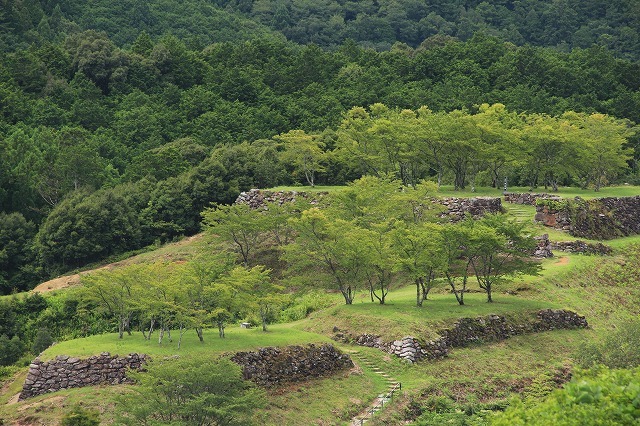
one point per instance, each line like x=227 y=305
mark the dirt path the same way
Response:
x=564 y=260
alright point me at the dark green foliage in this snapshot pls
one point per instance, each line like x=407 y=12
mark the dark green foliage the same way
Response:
x=11 y=349
x=16 y=234
x=93 y=94
x=81 y=417
x=198 y=390
x=85 y=228
x=42 y=341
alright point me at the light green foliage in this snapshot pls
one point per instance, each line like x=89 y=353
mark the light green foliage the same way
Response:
x=603 y=397
x=256 y=291
x=303 y=305
x=499 y=251
x=240 y=226
x=419 y=254
x=304 y=153
x=332 y=249
x=199 y=390
x=603 y=141
x=117 y=293
x=618 y=349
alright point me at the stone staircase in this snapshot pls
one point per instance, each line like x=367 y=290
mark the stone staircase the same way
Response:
x=383 y=399
x=522 y=213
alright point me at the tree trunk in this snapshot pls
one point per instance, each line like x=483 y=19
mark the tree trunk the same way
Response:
x=182 y=330
x=127 y=324
x=221 y=329
x=121 y=328
x=161 y=335
x=419 y=299
x=263 y=318
x=199 y=333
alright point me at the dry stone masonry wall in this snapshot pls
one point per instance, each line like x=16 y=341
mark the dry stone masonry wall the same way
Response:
x=456 y=208
x=258 y=198
x=528 y=198
x=601 y=218
x=581 y=247
x=67 y=372
x=468 y=331
x=272 y=366
x=267 y=367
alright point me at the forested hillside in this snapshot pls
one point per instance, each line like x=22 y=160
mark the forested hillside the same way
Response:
x=564 y=24
x=120 y=123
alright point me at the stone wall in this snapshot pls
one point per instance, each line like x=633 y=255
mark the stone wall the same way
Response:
x=468 y=331
x=257 y=198
x=529 y=198
x=270 y=367
x=458 y=208
x=455 y=208
x=267 y=367
x=66 y=372
x=581 y=247
x=601 y=218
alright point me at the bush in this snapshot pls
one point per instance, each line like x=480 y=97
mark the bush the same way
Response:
x=81 y=417
x=618 y=350
x=199 y=390
x=42 y=341
x=600 y=397
x=304 y=305
x=10 y=349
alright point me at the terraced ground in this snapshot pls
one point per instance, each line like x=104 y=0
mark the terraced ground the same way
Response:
x=470 y=380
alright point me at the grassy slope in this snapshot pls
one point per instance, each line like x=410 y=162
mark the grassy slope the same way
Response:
x=481 y=373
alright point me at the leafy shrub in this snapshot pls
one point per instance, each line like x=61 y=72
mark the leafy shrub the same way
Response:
x=42 y=341
x=10 y=349
x=618 y=350
x=81 y=417
x=199 y=390
x=7 y=371
x=600 y=397
x=302 y=306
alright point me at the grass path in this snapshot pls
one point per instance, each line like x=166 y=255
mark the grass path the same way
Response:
x=383 y=399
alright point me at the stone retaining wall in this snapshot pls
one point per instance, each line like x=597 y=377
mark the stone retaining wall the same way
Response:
x=467 y=331
x=66 y=372
x=600 y=218
x=257 y=198
x=582 y=247
x=267 y=367
x=456 y=208
x=270 y=367
x=529 y=198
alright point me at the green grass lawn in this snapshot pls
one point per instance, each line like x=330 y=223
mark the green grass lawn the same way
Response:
x=400 y=316
x=566 y=192
x=305 y=188
x=448 y=191
x=237 y=339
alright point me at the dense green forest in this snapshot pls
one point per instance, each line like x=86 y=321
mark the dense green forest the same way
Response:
x=118 y=128
x=564 y=24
